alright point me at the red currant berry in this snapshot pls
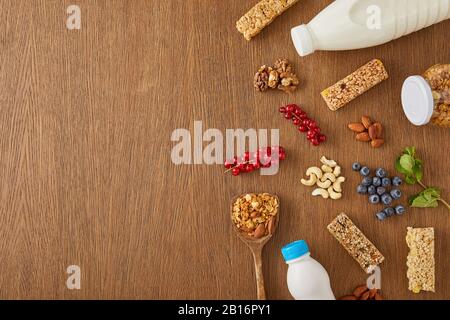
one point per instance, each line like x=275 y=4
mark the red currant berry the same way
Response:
x=306 y=122
x=235 y=160
x=296 y=121
x=316 y=130
x=303 y=116
x=282 y=155
x=249 y=168
x=235 y=171
x=298 y=112
x=288 y=115
x=246 y=156
x=322 y=138
x=315 y=142
x=290 y=108
x=312 y=124
x=282 y=109
x=303 y=128
x=228 y=164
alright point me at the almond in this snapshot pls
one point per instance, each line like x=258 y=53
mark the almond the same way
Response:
x=255 y=214
x=260 y=231
x=366 y=122
x=365 y=296
x=378 y=296
x=348 y=298
x=356 y=127
x=372 y=293
x=373 y=132
x=363 y=136
x=360 y=290
x=377 y=143
x=379 y=129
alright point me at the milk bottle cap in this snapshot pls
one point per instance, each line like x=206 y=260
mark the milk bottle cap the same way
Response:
x=295 y=250
x=417 y=100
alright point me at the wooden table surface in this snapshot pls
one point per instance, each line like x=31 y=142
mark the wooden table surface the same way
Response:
x=86 y=174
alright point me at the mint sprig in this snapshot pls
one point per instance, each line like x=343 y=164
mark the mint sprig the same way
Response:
x=412 y=167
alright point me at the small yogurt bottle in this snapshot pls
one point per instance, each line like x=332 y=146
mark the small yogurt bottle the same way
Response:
x=307 y=279
x=426 y=98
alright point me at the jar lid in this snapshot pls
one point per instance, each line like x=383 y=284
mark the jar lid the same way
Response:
x=417 y=100
x=294 y=250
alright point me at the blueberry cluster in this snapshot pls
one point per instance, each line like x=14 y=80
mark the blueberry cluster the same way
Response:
x=377 y=188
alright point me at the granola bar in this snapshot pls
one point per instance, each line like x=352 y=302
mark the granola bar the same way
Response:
x=420 y=259
x=355 y=84
x=355 y=242
x=261 y=15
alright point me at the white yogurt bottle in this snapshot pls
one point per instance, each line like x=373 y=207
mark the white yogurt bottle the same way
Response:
x=356 y=24
x=307 y=279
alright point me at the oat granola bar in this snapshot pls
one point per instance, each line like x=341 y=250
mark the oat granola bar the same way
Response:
x=261 y=15
x=355 y=84
x=420 y=259
x=355 y=242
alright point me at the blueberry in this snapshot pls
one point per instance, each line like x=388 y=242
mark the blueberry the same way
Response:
x=376 y=181
x=374 y=199
x=381 y=190
x=380 y=172
x=356 y=166
x=361 y=189
x=396 y=194
x=385 y=182
x=386 y=199
x=364 y=171
x=389 y=212
x=371 y=190
x=397 y=181
x=400 y=210
x=367 y=181
x=381 y=215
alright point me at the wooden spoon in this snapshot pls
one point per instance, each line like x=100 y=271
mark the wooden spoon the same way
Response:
x=256 y=246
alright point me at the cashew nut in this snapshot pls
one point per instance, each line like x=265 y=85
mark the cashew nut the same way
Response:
x=326 y=168
x=312 y=180
x=330 y=163
x=334 y=195
x=337 y=185
x=337 y=171
x=324 y=185
x=321 y=192
x=328 y=176
x=315 y=171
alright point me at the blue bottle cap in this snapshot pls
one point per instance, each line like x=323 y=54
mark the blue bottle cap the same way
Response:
x=295 y=250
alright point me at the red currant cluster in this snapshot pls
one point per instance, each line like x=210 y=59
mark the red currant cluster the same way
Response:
x=252 y=161
x=300 y=119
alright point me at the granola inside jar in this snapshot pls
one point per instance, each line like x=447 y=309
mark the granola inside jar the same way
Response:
x=426 y=98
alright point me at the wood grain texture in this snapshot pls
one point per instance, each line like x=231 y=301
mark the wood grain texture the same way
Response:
x=86 y=175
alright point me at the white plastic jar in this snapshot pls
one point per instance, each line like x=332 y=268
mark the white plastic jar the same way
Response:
x=307 y=279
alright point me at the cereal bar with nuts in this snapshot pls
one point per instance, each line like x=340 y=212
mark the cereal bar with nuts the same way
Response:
x=355 y=84
x=355 y=242
x=420 y=259
x=261 y=15
x=255 y=214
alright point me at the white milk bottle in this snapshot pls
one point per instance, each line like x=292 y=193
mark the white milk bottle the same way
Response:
x=306 y=278
x=356 y=24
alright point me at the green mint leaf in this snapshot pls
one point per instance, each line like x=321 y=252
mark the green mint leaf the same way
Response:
x=410 y=179
x=417 y=170
x=431 y=193
x=399 y=168
x=407 y=163
x=420 y=201
x=410 y=151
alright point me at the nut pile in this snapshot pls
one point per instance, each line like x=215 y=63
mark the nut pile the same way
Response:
x=377 y=188
x=281 y=76
x=363 y=293
x=255 y=214
x=368 y=131
x=328 y=179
